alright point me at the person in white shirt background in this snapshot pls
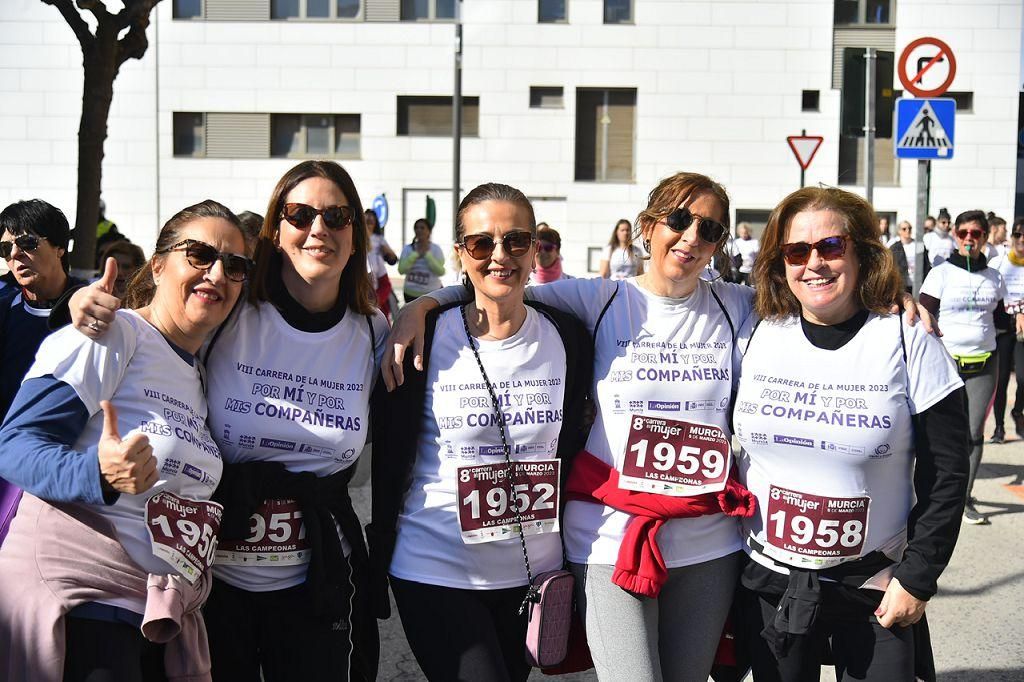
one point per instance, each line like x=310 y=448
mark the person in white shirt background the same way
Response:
x=996 y=245
x=622 y=258
x=1009 y=347
x=747 y=248
x=904 y=252
x=939 y=243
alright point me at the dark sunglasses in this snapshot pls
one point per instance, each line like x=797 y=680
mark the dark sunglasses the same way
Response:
x=1017 y=235
x=481 y=246
x=301 y=216
x=974 y=232
x=709 y=230
x=202 y=256
x=25 y=242
x=546 y=246
x=829 y=248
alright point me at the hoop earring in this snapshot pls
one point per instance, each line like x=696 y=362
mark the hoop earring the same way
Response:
x=647 y=246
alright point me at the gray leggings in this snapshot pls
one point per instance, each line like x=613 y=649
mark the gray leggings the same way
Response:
x=980 y=388
x=626 y=632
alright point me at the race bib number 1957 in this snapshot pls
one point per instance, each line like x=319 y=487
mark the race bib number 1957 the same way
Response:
x=487 y=510
x=183 y=532
x=675 y=458
x=277 y=537
x=814 y=531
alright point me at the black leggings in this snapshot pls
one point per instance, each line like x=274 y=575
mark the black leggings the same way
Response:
x=104 y=651
x=459 y=634
x=1010 y=354
x=861 y=648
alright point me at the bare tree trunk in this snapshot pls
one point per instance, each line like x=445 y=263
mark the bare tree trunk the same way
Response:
x=101 y=65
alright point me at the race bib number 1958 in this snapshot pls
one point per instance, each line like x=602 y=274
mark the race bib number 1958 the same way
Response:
x=487 y=511
x=183 y=532
x=814 y=531
x=675 y=458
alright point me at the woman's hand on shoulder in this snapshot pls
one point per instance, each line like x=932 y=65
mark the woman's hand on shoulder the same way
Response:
x=127 y=466
x=899 y=607
x=93 y=308
x=408 y=329
x=914 y=311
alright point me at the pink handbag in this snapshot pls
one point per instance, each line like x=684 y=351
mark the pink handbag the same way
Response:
x=549 y=618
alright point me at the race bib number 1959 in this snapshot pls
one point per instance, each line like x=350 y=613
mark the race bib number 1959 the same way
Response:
x=675 y=458
x=183 y=532
x=487 y=511
x=814 y=531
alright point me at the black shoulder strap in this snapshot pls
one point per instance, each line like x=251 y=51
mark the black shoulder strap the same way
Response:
x=725 y=312
x=903 y=340
x=607 y=305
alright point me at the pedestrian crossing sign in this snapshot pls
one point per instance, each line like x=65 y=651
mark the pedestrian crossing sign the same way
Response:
x=925 y=128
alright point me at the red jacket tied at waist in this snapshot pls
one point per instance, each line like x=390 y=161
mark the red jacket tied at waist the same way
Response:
x=640 y=567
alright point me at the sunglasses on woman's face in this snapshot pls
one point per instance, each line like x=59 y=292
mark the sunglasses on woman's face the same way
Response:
x=974 y=233
x=829 y=248
x=202 y=256
x=481 y=246
x=301 y=216
x=709 y=230
x=25 y=242
x=546 y=247
x=1017 y=235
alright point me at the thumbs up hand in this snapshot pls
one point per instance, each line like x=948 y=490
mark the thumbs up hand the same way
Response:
x=128 y=466
x=92 y=308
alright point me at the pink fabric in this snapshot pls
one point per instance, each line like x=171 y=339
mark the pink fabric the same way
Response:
x=549 y=274
x=58 y=556
x=640 y=567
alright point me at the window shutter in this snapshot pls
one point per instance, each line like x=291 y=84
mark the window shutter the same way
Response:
x=383 y=10
x=237 y=136
x=882 y=38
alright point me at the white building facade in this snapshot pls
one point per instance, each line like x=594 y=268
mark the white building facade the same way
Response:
x=582 y=104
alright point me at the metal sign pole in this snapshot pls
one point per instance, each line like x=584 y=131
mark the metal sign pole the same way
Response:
x=803 y=171
x=924 y=171
x=457 y=122
x=870 y=65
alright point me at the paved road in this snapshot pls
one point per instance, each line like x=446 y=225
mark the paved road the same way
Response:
x=977 y=620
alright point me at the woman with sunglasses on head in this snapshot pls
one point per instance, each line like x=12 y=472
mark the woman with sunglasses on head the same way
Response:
x=289 y=381
x=622 y=258
x=422 y=263
x=652 y=503
x=109 y=440
x=1010 y=343
x=968 y=296
x=444 y=533
x=852 y=428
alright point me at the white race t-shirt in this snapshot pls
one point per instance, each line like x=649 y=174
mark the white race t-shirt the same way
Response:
x=156 y=392
x=300 y=398
x=1013 y=276
x=966 y=303
x=910 y=250
x=419 y=278
x=939 y=246
x=827 y=441
x=458 y=432
x=663 y=358
x=622 y=263
x=747 y=250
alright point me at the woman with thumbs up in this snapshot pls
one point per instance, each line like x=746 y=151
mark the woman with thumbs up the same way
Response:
x=106 y=564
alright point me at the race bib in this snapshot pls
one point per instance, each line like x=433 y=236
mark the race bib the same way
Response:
x=486 y=512
x=675 y=458
x=814 y=531
x=277 y=537
x=183 y=532
x=417 y=277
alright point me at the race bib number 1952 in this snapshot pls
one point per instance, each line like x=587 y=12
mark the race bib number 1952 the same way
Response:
x=814 y=530
x=675 y=458
x=183 y=532
x=487 y=511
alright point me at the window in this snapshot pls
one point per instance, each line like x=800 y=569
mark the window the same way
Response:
x=315 y=135
x=187 y=9
x=314 y=9
x=427 y=10
x=432 y=116
x=847 y=12
x=964 y=101
x=810 y=100
x=618 y=11
x=189 y=134
x=547 y=97
x=605 y=124
x=851 y=118
x=551 y=11
x=757 y=218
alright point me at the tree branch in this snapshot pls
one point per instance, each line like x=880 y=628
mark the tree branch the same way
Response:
x=74 y=19
x=98 y=9
x=135 y=15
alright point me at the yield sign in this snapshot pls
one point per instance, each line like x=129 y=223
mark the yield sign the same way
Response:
x=804 y=148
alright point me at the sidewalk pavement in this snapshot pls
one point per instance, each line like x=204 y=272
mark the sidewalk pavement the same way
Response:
x=977 y=624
